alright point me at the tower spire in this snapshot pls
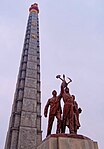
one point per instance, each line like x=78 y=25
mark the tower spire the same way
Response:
x=25 y=122
x=34 y=8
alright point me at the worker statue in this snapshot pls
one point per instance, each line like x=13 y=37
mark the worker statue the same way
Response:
x=55 y=111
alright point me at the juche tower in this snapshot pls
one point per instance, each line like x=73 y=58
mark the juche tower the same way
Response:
x=25 y=122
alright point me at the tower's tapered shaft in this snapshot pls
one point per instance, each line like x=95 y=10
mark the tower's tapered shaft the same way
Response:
x=25 y=122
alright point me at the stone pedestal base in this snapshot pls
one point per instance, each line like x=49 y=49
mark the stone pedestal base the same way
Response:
x=67 y=141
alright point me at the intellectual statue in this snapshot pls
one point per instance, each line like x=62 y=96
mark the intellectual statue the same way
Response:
x=55 y=111
x=76 y=113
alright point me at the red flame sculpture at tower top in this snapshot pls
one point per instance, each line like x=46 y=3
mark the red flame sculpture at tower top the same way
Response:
x=34 y=8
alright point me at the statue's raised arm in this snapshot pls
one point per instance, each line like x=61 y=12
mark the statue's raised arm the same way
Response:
x=64 y=83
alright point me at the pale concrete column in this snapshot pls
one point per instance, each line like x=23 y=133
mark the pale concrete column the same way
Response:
x=25 y=123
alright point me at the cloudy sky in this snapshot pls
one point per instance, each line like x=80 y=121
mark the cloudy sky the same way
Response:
x=72 y=42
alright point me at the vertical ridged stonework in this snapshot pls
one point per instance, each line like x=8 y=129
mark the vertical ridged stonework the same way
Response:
x=25 y=122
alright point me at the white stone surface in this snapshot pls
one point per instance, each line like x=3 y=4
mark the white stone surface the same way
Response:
x=32 y=58
x=14 y=139
x=31 y=73
x=29 y=105
x=32 y=51
x=38 y=123
x=49 y=144
x=67 y=143
x=32 y=65
x=27 y=138
x=30 y=82
x=28 y=119
x=30 y=93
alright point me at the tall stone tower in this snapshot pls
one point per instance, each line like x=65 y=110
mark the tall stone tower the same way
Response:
x=25 y=122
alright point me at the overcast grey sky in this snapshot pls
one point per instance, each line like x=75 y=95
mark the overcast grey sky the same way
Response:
x=72 y=42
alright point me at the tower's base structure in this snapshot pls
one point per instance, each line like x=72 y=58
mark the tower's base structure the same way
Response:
x=67 y=141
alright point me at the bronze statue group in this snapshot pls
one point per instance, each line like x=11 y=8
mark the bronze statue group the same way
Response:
x=70 y=115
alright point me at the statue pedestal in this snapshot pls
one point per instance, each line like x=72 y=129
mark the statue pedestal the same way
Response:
x=67 y=141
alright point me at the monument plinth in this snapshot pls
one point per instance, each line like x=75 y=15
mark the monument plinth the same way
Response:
x=68 y=141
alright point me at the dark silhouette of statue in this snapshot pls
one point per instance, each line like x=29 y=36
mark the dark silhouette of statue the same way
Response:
x=68 y=111
x=71 y=111
x=76 y=112
x=55 y=111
